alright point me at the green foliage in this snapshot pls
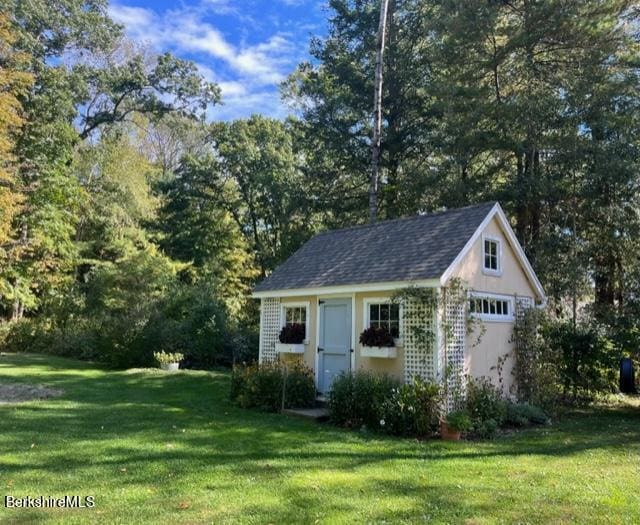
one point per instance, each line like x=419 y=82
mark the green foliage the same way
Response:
x=265 y=185
x=522 y=415
x=459 y=421
x=559 y=362
x=585 y=358
x=412 y=409
x=535 y=370
x=357 y=399
x=260 y=386
x=485 y=406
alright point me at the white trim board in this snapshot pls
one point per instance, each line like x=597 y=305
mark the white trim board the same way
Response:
x=346 y=289
x=497 y=212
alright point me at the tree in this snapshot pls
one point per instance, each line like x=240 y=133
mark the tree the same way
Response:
x=15 y=81
x=197 y=228
x=268 y=199
x=333 y=95
x=84 y=74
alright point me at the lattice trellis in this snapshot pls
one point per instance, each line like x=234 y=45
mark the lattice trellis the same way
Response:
x=454 y=331
x=523 y=303
x=418 y=324
x=269 y=329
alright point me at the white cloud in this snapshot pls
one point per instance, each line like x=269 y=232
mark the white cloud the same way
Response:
x=253 y=70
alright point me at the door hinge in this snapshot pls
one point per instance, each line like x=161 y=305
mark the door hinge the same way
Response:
x=351 y=350
x=320 y=349
x=320 y=302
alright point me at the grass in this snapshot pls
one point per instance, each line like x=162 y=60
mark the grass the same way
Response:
x=169 y=448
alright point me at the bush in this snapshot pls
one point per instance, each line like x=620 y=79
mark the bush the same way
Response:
x=412 y=409
x=558 y=362
x=293 y=334
x=260 y=386
x=485 y=429
x=459 y=421
x=486 y=407
x=376 y=336
x=522 y=415
x=358 y=398
x=586 y=360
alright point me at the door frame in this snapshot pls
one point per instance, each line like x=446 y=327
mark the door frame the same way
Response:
x=319 y=298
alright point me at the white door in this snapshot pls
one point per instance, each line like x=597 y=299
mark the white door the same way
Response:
x=334 y=346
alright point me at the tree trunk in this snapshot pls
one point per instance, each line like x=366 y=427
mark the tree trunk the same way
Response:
x=377 y=114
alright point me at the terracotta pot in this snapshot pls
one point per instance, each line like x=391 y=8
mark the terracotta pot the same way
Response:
x=447 y=433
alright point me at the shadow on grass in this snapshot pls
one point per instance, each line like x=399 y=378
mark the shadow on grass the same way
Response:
x=185 y=420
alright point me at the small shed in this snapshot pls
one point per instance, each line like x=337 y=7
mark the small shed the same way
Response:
x=344 y=281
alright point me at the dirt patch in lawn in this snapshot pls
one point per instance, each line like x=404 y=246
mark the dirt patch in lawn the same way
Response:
x=18 y=393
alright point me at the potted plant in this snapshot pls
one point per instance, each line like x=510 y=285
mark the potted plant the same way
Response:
x=377 y=341
x=454 y=424
x=169 y=361
x=292 y=339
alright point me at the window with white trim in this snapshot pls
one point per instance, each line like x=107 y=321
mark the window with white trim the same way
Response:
x=491 y=255
x=492 y=308
x=386 y=315
x=297 y=313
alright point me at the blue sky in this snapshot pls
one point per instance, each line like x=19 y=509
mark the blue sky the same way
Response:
x=248 y=47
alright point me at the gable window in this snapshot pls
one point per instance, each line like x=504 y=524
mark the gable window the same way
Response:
x=491 y=256
x=296 y=313
x=383 y=314
x=491 y=308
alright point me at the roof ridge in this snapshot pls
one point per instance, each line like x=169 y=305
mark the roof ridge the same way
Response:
x=404 y=219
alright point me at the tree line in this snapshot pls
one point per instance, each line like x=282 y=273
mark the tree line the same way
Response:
x=131 y=223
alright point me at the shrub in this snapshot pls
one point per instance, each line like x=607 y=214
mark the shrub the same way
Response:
x=293 y=334
x=260 y=386
x=357 y=399
x=376 y=336
x=522 y=415
x=485 y=429
x=300 y=386
x=412 y=409
x=586 y=360
x=556 y=361
x=485 y=405
x=459 y=421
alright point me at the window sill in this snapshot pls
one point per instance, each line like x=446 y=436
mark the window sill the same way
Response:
x=492 y=273
x=493 y=318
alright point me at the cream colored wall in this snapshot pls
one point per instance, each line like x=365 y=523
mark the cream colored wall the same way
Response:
x=393 y=367
x=482 y=355
x=310 y=349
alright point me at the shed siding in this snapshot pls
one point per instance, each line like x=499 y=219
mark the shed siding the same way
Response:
x=482 y=355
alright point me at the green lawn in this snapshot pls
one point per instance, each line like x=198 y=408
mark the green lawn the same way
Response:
x=160 y=448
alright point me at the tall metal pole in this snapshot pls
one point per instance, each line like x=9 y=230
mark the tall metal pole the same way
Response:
x=377 y=113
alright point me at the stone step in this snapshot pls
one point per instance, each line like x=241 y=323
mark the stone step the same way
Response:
x=314 y=414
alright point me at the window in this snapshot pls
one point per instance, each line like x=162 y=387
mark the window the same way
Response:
x=491 y=308
x=385 y=315
x=296 y=314
x=492 y=255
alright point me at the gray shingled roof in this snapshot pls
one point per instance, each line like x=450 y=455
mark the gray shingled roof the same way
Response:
x=415 y=248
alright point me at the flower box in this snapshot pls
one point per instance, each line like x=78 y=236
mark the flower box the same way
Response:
x=381 y=352
x=170 y=367
x=289 y=348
